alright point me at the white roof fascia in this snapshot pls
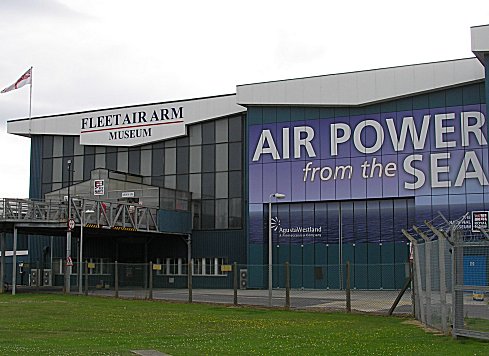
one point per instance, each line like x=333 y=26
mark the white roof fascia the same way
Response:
x=479 y=36
x=361 y=88
x=194 y=111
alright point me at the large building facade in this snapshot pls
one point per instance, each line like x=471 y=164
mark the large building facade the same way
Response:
x=358 y=157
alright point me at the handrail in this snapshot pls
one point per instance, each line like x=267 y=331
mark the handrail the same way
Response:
x=111 y=215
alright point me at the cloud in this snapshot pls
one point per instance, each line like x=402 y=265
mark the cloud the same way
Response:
x=24 y=11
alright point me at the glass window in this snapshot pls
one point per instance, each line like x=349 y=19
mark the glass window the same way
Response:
x=57 y=174
x=170 y=160
x=235 y=156
x=195 y=184
x=78 y=168
x=90 y=150
x=111 y=158
x=235 y=184
x=157 y=162
x=195 y=159
x=57 y=146
x=207 y=214
x=47 y=147
x=222 y=130
x=171 y=182
x=235 y=213
x=208 y=185
x=68 y=145
x=235 y=128
x=88 y=166
x=222 y=157
x=170 y=143
x=197 y=263
x=182 y=160
x=222 y=185
x=182 y=141
x=146 y=162
x=208 y=132
x=47 y=170
x=167 y=199
x=182 y=182
x=222 y=214
x=134 y=166
x=208 y=158
x=158 y=181
x=122 y=159
x=209 y=266
x=99 y=160
x=195 y=134
x=46 y=188
x=196 y=214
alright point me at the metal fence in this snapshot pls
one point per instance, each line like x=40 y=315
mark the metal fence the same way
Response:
x=232 y=284
x=451 y=276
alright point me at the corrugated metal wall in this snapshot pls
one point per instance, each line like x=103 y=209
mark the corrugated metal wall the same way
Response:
x=230 y=244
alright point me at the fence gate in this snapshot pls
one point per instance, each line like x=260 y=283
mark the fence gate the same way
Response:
x=451 y=270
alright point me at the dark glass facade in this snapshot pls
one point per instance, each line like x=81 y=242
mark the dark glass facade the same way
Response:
x=208 y=162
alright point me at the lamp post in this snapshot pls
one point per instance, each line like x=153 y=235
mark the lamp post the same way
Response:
x=80 y=254
x=276 y=196
x=68 y=234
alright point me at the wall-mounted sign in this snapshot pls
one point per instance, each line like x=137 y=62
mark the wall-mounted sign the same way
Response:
x=131 y=126
x=128 y=194
x=157 y=267
x=480 y=220
x=226 y=268
x=98 y=187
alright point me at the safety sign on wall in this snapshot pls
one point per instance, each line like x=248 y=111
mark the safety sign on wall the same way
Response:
x=98 y=187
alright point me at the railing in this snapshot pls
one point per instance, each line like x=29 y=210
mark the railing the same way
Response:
x=89 y=212
x=110 y=215
x=25 y=210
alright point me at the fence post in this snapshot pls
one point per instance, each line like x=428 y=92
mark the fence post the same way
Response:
x=189 y=282
x=443 y=285
x=287 y=285
x=116 y=277
x=37 y=276
x=150 y=280
x=235 y=282
x=86 y=277
x=419 y=294
x=457 y=285
x=428 y=309
x=348 y=294
x=411 y=277
x=66 y=276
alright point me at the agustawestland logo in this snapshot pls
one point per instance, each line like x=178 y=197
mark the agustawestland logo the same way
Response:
x=295 y=231
x=275 y=223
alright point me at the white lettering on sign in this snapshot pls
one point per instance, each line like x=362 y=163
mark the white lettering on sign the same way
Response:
x=407 y=147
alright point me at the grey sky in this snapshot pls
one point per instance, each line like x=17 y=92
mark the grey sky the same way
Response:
x=95 y=54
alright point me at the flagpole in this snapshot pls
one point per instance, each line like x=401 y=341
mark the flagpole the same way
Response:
x=30 y=104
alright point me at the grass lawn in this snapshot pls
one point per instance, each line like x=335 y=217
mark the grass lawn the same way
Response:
x=78 y=325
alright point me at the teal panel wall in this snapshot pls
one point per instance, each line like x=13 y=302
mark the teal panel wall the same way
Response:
x=175 y=221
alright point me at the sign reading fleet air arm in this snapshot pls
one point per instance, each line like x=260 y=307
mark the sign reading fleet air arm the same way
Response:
x=132 y=125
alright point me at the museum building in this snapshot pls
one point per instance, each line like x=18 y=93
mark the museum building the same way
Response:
x=355 y=158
